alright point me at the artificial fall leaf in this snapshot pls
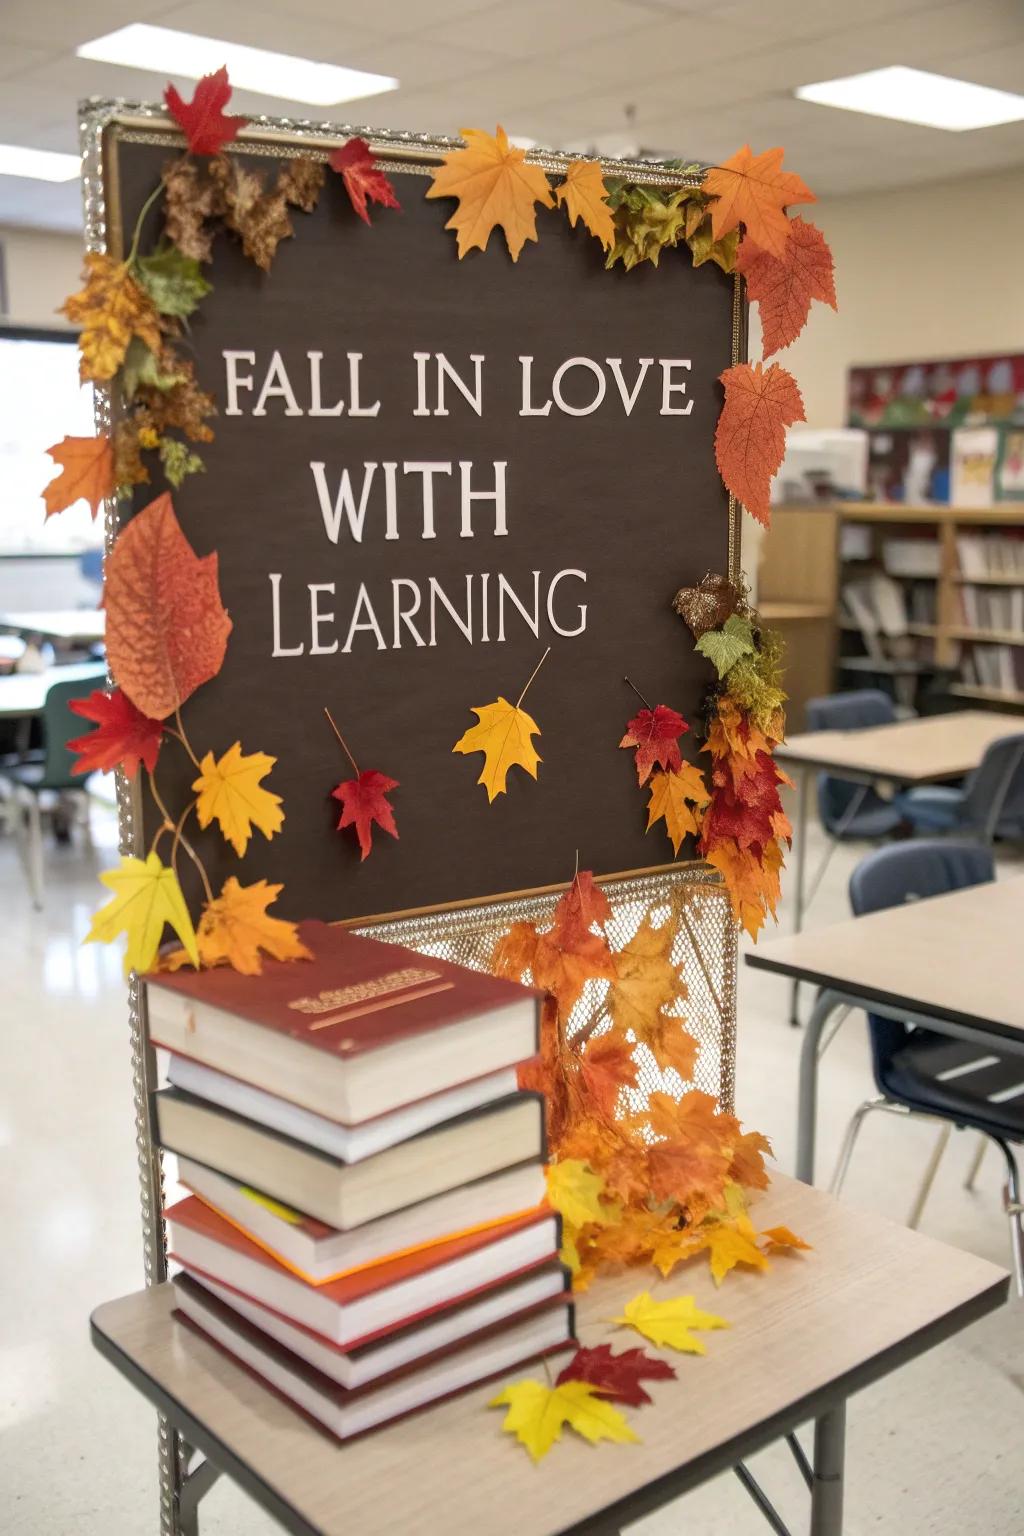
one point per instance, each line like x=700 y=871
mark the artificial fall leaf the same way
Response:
x=748 y=1155
x=730 y=1243
x=256 y=212
x=493 y=185
x=191 y=200
x=606 y=1067
x=673 y=1047
x=724 y=647
x=503 y=734
x=178 y=403
x=111 y=308
x=363 y=181
x=617 y=1376
x=704 y=247
x=781 y=1239
x=645 y=222
x=646 y=979
x=537 y=1413
x=754 y=190
x=146 y=897
x=301 y=181
x=783 y=287
x=167 y=629
x=124 y=737
x=229 y=792
x=87 y=473
x=143 y=367
x=708 y=604
x=693 y=1158
x=129 y=470
x=655 y=734
x=671 y=1323
x=575 y=1192
x=172 y=280
x=514 y=952
x=751 y=881
x=584 y=196
x=582 y=907
x=236 y=929
x=563 y=965
x=672 y=795
x=364 y=800
x=203 y=120
x=178 y=461
x=750 y=438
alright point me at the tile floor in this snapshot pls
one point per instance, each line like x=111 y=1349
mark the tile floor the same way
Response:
x=934 y=1451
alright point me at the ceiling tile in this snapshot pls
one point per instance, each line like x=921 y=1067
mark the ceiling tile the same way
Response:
x=536 y=28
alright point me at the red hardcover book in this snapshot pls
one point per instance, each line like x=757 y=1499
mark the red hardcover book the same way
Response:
x=368 y=1303
x=357 y=1031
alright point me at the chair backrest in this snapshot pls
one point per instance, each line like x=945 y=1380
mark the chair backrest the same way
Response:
x=994 y=792
x=904 y=872
x=59 y=725
x=850 y=711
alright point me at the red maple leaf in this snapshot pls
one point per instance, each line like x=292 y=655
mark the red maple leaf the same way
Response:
x=364 y=801
x=617 y=1376
x=362 y=180
x=783 y=286
x=655 y=734
x=583 y=907
x=124 y=737
x=203 y=120
x=746 y=811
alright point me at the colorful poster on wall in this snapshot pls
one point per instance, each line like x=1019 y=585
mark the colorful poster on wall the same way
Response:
x=947 y=392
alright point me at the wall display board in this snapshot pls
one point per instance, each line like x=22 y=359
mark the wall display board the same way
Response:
x=427 y=475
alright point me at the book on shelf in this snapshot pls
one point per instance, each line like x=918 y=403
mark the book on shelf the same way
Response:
x=372 y=1302
x=350 y=1143
x=357 y=1032
x=479 y=1143
x=973 y=456
x=541 y=1329
x=986 y=555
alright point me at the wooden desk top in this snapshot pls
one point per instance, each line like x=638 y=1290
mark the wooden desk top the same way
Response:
x=59 y=623
x=815 y=1328
x=24 y=693
x=908 y=751
x=955 y=957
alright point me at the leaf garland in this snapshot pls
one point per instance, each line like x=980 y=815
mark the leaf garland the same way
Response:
x=363 y=181
x=750 y=439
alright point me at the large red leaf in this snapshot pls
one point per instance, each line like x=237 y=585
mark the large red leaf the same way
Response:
x=655 y=734
x=364 y=800
x=783 y=287
x=750 y=439
x=618 y=1376
x=203 y=120
x=167 y=629
x=124 y=737
x=354 y=163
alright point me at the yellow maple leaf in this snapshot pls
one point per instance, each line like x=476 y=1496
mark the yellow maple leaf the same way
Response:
x=730 y=1243
x=229 y=792
x=646 y=981
x=575 y=1193
x=111 y=308
x=671 y=797
x=494 y=185
x=146 y=897
x=235 y=927
x=584 y=196
x=536 y=1414
x=503 y=734
x=669 y=1322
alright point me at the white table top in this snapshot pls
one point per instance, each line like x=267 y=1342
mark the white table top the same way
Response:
x=955 y=957
x=24 y=693
x=908 y=751
x=85 y=624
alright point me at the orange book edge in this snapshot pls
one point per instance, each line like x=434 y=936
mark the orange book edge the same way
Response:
x=399 y=1253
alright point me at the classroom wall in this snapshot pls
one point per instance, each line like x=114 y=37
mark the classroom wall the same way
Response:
x=41 y=270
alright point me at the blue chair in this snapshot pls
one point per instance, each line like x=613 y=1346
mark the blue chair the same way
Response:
x=989 y=803
x=847 y=809
x=919 y=1072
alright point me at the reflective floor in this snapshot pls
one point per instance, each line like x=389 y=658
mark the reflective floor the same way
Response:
x=936 y=1449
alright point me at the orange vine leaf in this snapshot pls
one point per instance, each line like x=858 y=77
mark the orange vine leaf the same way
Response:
x=783 y=287
x=750 y=438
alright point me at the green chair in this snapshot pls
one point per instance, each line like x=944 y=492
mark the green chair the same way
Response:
x=48 y=781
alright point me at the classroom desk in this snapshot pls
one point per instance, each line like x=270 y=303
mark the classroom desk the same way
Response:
x=803 y=1338
x=71 y=626
x=23 y=694
x=950 y=963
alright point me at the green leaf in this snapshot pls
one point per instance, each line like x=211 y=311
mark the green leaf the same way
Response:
x=179 y=461
x=173 y=281
x=142 y=366
x=724 y=647
x=706 y=248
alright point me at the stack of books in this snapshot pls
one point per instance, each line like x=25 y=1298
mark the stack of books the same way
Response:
x=366 y=1228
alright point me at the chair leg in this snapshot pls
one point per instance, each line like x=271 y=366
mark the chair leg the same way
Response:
x=35 y=852
x=850 y=1141
x=976 y=1161
x=1013 y=1208
x=932 y=1169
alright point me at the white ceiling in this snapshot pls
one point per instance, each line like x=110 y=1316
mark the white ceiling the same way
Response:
x=689 y=77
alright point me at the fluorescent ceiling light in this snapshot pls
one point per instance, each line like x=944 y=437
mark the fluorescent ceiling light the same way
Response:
x=915 y=96
x=39 y=164
x=141 y=46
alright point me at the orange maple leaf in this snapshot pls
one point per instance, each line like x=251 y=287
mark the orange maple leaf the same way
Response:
x=748 y=1155
x=514 y=953
x=563 y=967
x=646 y=981
x=583 y=906
x=783 y=287
x=606 y=1066
x=750 y=438
x=236 y=926
x=87 y=473
x=585 y=196
x=693 y=1159
x=494 y=185
x=754 y=190
x=672 y=1046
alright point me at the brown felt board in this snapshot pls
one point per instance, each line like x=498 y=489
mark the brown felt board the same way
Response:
x=635 y=502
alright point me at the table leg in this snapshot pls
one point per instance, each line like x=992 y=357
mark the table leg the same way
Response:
x=803 y=804
x=829 y=1455
x=807 y=1093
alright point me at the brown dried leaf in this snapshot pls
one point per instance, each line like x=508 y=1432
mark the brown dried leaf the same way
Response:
x=191 y=198
x=301 y=181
